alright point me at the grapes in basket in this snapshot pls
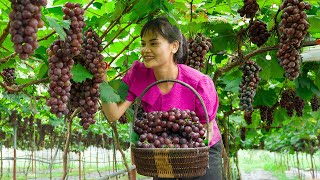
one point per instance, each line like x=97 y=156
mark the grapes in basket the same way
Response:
x=169 y=129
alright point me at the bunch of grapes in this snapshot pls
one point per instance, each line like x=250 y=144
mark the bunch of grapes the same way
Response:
x=197 y=50
x=123 y=119
x=174 y=129
x=293 y=28
x=243 y=133
x=25 y=20
x=9 y=75
x=290 y=101
x=74 y=12
x=298 y=106
x=269 y=118
x=315 y=105
x=248 y=117
x=249 y=8
x=258 y=33
x=60 y=65
x=263 y=112
x=86 y=94
x=249 y=84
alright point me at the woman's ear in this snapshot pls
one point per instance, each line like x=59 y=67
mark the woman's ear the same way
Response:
x=175 y=46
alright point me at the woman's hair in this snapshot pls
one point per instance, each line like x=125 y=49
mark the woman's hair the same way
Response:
x=171 y=33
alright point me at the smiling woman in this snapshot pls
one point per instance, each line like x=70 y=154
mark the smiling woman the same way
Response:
x=164 y=52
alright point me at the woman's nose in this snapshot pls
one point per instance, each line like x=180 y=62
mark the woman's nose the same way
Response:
x=145 y=49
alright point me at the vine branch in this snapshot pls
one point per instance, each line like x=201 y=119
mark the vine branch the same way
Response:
x=4 y=34
x=238 y=60
x=126 y=47
x=15 y=88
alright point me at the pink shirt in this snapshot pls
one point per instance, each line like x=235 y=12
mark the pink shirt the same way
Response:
x=139 y=77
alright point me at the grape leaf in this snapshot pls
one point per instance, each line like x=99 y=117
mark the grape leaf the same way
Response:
x=120 y=87
x=57 y=27
x=80 y=73
x=108 y=94
x=265 y=97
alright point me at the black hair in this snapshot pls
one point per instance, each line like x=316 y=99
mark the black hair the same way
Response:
x=171 y=33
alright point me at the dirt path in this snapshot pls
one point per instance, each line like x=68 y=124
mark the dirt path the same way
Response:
x=258 y=174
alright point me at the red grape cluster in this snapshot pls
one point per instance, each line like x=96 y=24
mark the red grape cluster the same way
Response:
x=25 y=20
x=269 y=118
x=9 y=75
x=249 y=8
x=75 y=13
x=290 y=101
x=60 y=65
x=258 y=33
x=86 y=94
x=249 y=84
x=123 y=119
x=197 y=50
x=174 y=129
x=243 y=133
x=315 y=105
x=248 y=117
x=293 y=28
x=263 y=112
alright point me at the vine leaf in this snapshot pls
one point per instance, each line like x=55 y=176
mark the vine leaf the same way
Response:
x=80 y=73
x=108 y=94
x=120 y=87
x=58 y=26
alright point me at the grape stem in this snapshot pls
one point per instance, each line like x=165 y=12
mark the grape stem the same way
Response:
x=114 y=128
x=19 y=88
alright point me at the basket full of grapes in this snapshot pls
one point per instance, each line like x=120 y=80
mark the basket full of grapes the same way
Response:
x=171 y=144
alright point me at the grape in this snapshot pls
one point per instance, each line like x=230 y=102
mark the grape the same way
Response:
x=248 y=117
x=60 y=76
x=197 y=50
x=290 y=101
x=249 y=84
x=9 y=75
x=263 y=112
x=243 y=133
x=74 y=13
x=86 y=94
x=315 y=103
x=155 y=129
x=123 y=119
x=249 y=9
x=258 y=33
x=293 y=28
x=25 y=18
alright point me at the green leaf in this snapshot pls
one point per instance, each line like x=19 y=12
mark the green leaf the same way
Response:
x=233 y=85
x=120 y=87
x=59 y=27
x=305 y=87
x=134 y=137
x=108 y=94
x=265 y=97
x=42 y=71
x=97 y=5
x=80 y=73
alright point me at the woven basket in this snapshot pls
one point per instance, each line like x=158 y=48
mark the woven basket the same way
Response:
x=171 y=162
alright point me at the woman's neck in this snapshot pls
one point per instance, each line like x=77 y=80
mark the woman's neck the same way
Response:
x=169 y=71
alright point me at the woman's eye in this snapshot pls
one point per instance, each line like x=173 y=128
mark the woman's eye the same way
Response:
x=153 y=44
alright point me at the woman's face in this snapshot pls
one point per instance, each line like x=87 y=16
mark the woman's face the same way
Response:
x=156 y=51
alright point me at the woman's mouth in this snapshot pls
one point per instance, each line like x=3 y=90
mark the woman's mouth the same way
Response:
x=148 y=58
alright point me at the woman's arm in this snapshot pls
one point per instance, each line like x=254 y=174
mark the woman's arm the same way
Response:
x=113 y=111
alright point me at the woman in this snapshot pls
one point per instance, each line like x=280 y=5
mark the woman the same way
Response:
x=164 y=51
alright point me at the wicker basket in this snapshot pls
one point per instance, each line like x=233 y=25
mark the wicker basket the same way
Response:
x=171 y=162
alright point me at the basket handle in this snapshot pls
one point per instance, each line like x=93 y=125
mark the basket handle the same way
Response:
x=177 y=81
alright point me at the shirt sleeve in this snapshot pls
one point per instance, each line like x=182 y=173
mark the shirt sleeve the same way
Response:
x=207 y=91
x=128 y=79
